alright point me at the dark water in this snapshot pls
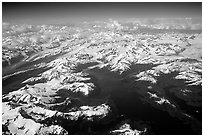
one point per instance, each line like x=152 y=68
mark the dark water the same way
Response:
x=184 y=106
x=130 y=104
x=168 y=82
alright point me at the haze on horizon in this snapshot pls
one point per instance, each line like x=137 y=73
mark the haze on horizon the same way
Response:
x=59 y=13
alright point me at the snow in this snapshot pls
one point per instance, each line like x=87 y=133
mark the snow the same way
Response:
x=115 y=50
x=126 y=129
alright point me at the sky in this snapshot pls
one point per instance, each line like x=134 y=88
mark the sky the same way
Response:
x=59 y=12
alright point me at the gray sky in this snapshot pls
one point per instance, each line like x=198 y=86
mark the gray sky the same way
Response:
x=57 y=13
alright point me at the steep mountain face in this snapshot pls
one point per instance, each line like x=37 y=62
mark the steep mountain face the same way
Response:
x=77 y=79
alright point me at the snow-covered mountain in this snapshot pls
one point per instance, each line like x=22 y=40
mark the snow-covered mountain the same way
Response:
x=56 y=92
